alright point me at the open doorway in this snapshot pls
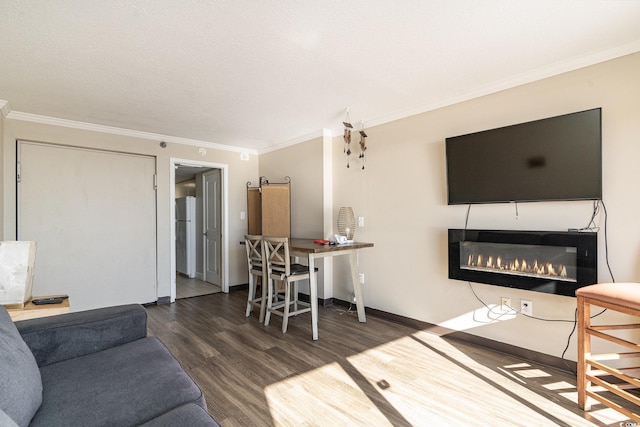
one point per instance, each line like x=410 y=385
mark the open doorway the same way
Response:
x=199 y=229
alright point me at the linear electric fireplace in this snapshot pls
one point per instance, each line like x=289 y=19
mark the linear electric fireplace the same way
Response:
x=542 y=261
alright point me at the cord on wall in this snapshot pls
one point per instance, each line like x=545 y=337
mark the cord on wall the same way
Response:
x=591 y=226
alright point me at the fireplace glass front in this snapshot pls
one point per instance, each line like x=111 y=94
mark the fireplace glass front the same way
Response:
x=552 y=262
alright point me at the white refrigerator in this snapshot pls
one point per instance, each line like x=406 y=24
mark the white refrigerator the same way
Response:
x=186 y=236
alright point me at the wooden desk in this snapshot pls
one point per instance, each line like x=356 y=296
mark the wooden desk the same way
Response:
x=306 y=247
x=32 y=311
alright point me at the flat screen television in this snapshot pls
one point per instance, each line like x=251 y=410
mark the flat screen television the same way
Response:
x=553 y=159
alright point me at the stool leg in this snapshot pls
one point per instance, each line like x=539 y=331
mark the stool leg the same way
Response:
x=252 y=294
x=287 y=304
x=584 y=351
x=263 y=299
x=270 y=285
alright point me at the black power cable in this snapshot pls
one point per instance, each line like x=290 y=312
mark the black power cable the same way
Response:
x=590 y=226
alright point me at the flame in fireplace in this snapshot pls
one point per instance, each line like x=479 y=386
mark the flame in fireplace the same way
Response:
x=517 y=265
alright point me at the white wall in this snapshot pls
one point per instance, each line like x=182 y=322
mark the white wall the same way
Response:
x=303 y=163
x=239 y=173
x=402 y=195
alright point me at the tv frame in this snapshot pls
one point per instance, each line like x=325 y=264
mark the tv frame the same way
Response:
x=524 y=125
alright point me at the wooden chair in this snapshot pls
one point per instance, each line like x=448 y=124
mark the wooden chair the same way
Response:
x=257 y=269
x=280 y=268
x=612 y=373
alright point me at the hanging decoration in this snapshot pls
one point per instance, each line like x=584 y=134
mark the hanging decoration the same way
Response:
x=347 y=139
x=363 y=144
x=347 y=136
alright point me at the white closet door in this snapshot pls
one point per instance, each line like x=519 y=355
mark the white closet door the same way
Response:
x=93 y=215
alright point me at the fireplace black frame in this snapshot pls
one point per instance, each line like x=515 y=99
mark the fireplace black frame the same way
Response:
x=586 y=244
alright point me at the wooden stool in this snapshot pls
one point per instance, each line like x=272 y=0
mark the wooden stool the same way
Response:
x=622 y=298
x=280 y=268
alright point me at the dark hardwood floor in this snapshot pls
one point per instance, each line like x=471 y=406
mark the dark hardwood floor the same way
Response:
x=376 y=373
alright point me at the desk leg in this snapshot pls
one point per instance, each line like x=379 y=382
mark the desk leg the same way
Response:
x=313 y=296
x=357 y=290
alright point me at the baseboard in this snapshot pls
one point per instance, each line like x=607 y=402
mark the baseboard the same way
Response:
x=512 y=350
x=302 y=297
x=321 y=302
x=241 y=287
x=164 y=300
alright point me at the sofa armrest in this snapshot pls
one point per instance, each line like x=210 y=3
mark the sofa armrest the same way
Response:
x=56 y=338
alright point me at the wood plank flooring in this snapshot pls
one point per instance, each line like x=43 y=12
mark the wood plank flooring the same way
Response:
x=376 y=373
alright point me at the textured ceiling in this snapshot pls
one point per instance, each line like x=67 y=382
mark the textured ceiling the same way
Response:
x=256 y=74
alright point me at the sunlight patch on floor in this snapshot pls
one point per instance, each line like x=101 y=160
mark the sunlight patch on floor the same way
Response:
x=478 y=317
x=610 y=416
x=460 y=384
x=347 y=405
x=532 y=373
x=605 y=415
x=425 y=380
x=560 y=385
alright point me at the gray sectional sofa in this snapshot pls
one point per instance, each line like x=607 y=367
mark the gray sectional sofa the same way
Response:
x=93 y=368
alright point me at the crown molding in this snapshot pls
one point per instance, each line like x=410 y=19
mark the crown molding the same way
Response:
x=298 y=140
x=54 y=121
x=551 y=70
x=5 y=108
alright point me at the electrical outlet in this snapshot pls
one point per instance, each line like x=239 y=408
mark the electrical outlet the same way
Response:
x=505 y=303
x=360 y=221
x=361 y=278
x=526 y=307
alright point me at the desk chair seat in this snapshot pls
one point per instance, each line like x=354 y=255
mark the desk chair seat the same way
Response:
x=280 y=268
x=601 y=376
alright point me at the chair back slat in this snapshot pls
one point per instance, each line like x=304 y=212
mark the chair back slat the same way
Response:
x=253 y=245
x=276 y=250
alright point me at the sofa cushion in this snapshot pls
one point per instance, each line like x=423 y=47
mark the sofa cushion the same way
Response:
x=21 y=385
x=190 y=415
x=124 y=385
x=56 y=338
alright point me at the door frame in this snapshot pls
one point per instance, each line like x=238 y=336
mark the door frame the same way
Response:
x=224 y=256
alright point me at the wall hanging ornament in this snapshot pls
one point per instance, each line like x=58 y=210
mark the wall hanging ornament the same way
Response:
x=347 y=136
x=347 y=139
x=363 y=145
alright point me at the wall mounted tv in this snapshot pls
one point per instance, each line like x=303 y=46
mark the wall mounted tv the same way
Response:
x=558 y=158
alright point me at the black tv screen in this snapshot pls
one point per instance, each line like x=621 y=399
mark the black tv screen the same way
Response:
x=558 y=158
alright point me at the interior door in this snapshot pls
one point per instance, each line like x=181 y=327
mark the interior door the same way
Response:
x=212 y=226
x=93 y=215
